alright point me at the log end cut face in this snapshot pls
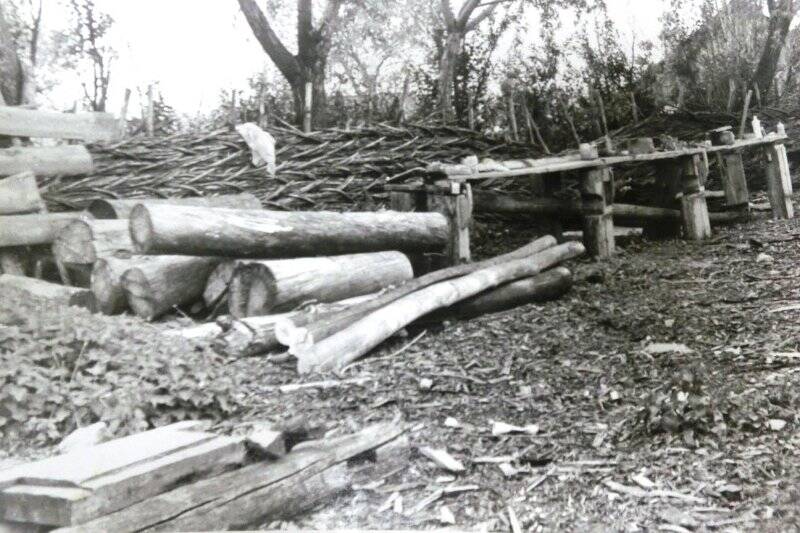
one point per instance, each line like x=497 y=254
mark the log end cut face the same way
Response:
x=139 y=293
x=141 y=228
x=102 y=209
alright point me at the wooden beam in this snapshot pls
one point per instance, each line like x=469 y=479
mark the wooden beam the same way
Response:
x=88 y=127
x=64 y=160
x=734 y=181
x=779 y=181
x=696 y=223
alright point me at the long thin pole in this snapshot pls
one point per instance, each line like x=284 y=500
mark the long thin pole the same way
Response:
x=745 y=109
x=307 y=103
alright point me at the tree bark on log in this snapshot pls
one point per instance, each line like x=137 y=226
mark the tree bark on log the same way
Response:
x=302 y=332
x=543 y=287
x=51 y=292
x=13 y=261
x=106 y=209
x=20 y=194
x=83 y=242
x=312 y=473
x=63 y=160
x=262 y=287
x=359 y=338
x=88 y=127
x=28 y=230
x=191 y=230
x=154 y=287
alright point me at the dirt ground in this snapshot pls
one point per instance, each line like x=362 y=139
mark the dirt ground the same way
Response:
x=663 y=389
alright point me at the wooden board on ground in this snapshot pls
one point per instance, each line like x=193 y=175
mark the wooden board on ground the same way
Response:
x=262 y=492
x=89 y=127
x=64 y=160
x=122 y=208
x=83 y=485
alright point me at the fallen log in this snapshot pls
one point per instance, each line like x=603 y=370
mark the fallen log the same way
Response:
x=106 y=282
x=355 y=341
x=542 y=287
x=27 y=230
x=20 y=194
x=83 y=242
x=92 y=481
x=298 y=334
x=52 y=292
x=63 y=160
x=154 y=287
x=122 y=208
x=312 y=473
x=261 y=287
x=90 y=127
x=192 y=230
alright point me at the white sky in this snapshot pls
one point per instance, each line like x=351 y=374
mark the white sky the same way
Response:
x=194 y=49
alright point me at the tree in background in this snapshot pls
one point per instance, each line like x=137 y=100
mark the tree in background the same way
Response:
x=84 y=48
x=781 y=14
x=313 y=47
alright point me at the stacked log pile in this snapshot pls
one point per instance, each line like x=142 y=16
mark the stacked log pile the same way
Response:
x=181 y=478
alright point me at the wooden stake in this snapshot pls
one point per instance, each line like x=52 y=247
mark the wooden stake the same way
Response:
x=779 y=181
x=150 y=112
x=307 y=106
x=696 y=223
x=734 y=181
x=512 y=115
x=458 y=210
x=745 y=110
x=598 y=224
x=123 y=114
x=758 y=95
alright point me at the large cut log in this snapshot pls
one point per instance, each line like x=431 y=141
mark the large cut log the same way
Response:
x=302 y=332
x=261 y=287
x=93 y=481
x=314 y=472
x=191 y=230
x=106 y=282
x=43 y=290
x=360 y=337
x=122 y=208
x=20 y=194
x=64 y=160
x=89 y=127
x=543 y=287
x=154 y=287
x=83 y=242
x=27 y=230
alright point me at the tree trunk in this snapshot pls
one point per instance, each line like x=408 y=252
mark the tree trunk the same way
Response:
x=450 y=51
x=263 y=287
x=85 y=241
x=301 y=333
x=543 y=287
x=158 y=285
x=358 y=339
x=781 y=14
x=20 y=194
x=52 y=292
x=122 y=208
x=27 y=230
x=12 y=76
x=64 y=160
x=265 y=234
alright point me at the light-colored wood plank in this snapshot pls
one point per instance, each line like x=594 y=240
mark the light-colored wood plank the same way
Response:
x=64 y=160
x=734 y=180
x=90 y=127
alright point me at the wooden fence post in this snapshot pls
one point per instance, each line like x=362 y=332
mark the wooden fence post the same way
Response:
x=734 y=181
x=456 y=205
x=150 y=112
x=597 y=188
x=696 y=224
x=307 y=104
x=779 y=181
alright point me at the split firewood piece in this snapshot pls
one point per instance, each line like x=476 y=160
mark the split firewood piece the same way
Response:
x=51 y=292
x=262 y=234
x=93 y=481
x=358 y=339
x=261 y=492
x=442 y=459
x=301 y=333
x=121 y=209
x=45 y=161
x=20 y=194
x=154 y=287
x=502 y=428
x=262 y=287
x=31 y=229
x=83 y=242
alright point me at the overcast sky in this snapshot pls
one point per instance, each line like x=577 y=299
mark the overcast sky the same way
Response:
x=196 y=48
